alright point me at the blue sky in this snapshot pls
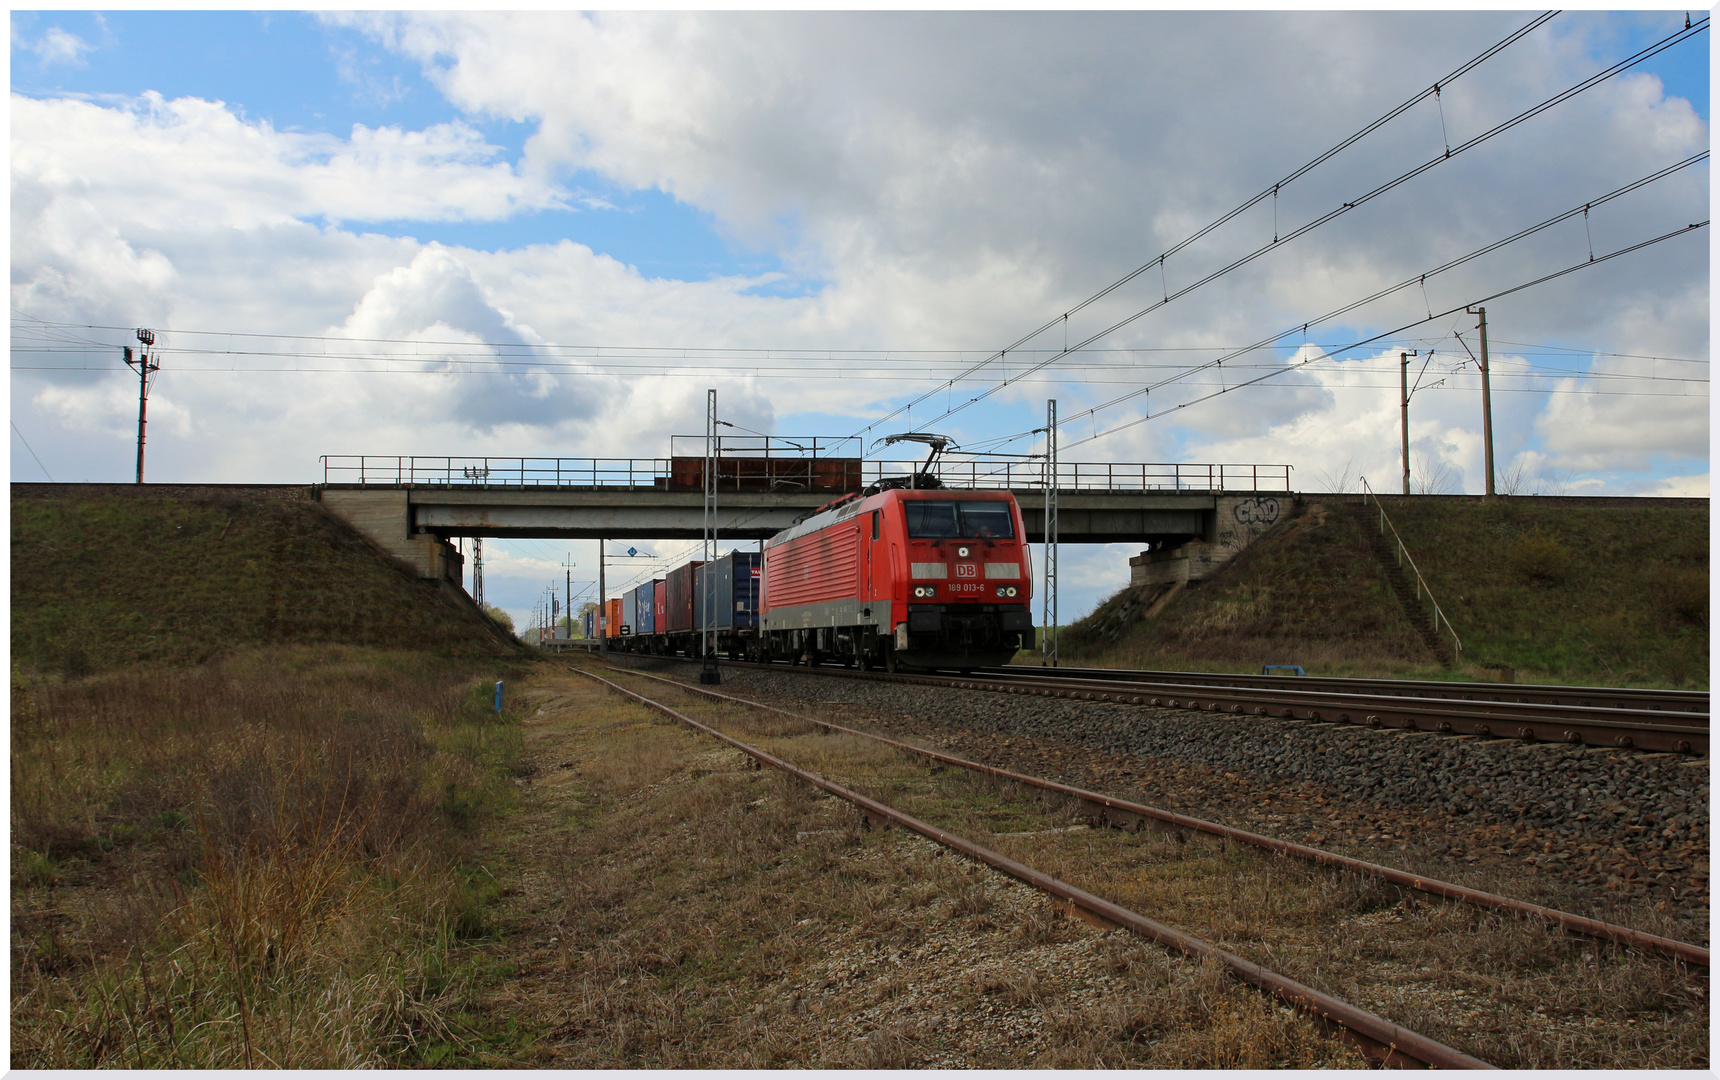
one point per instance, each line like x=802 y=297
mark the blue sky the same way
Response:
x=829 y=185
x=301 y=73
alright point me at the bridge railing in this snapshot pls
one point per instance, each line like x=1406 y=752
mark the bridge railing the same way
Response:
x=653 y=473
x=389 y=471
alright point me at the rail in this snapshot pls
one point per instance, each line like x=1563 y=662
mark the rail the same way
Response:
x=1375 y=1036
x=654 y=473
x=1404 y=556
x=1691 y=954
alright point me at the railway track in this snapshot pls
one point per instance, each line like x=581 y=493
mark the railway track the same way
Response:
x=1381 y=1040
x=1607 y=697
x=1378 y=1037
x=1123 y=813
x=1654 y=721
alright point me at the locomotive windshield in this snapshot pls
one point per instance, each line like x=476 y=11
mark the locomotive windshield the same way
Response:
x=930 y=519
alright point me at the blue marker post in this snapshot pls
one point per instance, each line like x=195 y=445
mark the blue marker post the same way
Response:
x=498 y=697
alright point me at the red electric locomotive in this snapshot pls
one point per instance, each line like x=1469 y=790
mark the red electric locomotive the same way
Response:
x=921 y=578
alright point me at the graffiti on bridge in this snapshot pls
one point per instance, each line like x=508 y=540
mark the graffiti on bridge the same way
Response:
x=1257 y=515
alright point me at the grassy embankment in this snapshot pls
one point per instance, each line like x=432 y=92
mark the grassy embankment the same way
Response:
x=1307 y=592
x=112 y=578
x=1569 y=590
x=1559 y=590
x=234 y=841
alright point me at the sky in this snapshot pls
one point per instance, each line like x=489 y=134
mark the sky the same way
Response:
x=548 y=234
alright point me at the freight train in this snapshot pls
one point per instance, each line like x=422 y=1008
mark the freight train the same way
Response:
x=891 y=578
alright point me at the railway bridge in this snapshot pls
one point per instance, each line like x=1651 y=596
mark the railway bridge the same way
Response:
x=413 y=506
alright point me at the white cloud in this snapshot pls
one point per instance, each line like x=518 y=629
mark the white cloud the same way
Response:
x=55 y=46
x=189 y=164
x=1684 y=487
x=1595 y=424
x=952 y=178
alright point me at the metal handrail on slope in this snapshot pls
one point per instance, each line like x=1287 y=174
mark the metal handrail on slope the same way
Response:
x=1404 y=556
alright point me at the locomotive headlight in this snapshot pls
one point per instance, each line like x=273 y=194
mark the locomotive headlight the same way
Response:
x=963 y=552
x=1006 y=590
x=925 y=590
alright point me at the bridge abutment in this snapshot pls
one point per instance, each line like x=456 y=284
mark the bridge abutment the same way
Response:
x=1235 y=521
x=384 y=515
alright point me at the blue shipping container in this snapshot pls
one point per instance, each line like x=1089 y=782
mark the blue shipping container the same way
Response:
x=728 y=592
x=645 y=608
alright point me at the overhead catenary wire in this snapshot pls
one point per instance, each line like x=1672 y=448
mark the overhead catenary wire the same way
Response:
x=857 y=362
x=1365 y=341
x=32 y=450
x=1493 y=132
x=1451 y=264
x=1244 y=207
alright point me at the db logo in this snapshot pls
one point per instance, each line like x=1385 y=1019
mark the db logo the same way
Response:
x=966 y=570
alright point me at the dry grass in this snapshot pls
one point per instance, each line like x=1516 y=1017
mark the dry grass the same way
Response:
x=1514 y=992
x=682 y=909
x=262 y=862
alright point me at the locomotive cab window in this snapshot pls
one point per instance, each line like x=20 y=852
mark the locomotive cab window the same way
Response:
x=987 y=520
x=934 y=520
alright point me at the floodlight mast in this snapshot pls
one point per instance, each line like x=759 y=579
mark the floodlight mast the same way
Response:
x=145 y=364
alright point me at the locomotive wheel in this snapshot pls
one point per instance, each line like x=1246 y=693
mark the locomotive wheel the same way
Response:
x=890 y=661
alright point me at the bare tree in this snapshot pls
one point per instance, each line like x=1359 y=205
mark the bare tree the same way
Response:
x=1557 y=482
x=1346 y=479
x=1432 y=476
x=1515 y=479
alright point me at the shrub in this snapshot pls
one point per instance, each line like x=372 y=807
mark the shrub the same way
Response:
x=500 y=616
x=1685 y=596
x=1540 y=559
